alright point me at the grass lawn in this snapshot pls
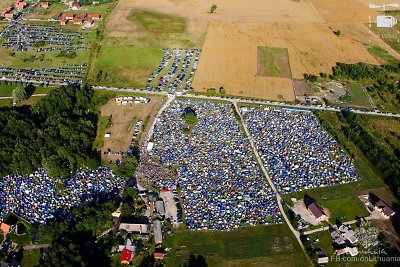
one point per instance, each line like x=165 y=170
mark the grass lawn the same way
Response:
x=5 y=102
x=338 y=199
x=31 y=258
x=389 y=35
x=381 y=55
x=127 y=64
x=158 y=22
x=128 y=58
x=358 y=95
x=273 y=62
x=252 y=246
x=6 y=90
x=385 y=129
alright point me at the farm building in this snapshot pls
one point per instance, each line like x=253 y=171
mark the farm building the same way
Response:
x=316 y=211
x=157 y=232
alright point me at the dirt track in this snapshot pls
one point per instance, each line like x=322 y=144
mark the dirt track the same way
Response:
x=123 y=123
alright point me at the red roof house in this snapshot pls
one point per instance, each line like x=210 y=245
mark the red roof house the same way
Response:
x=69 y=16
x=83 y=15
x=159 y=255
x=20 y=5
x=126 y=256
x=95 y=16
x=9 y=16
x=75 y=6
x=77 y=21
x=89 y=22
x=63 y=21
x=57 y=15
x=44 y=5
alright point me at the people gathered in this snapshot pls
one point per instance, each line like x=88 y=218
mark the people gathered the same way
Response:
x=297 y=152
x=221 y=185
x=38 y=199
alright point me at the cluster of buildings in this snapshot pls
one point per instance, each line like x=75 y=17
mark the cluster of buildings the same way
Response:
x=377 y=206
x=141 y=228
x=83 y=19
x=18 y=5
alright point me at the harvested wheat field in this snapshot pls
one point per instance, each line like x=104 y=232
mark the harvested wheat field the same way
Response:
x=196 y=12
x=123 y=120
x=229 y=56
x=345 y=11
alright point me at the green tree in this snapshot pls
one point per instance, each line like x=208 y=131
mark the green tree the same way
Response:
x=213 y=8
x=128 y=166
x=126 y=210
x=19 y=93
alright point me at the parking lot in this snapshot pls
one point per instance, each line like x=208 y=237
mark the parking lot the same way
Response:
x=176 y=71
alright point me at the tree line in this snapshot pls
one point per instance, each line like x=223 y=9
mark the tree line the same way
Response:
x=387 y=164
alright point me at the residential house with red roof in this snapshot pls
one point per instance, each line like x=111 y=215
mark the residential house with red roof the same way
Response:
x=9 y=16
x=75 y=6
x=77 y=21
x=44 y=5
x=95 y=16
x=126 y=256
x=63 y=21
x=89 y=23
x=69 y=16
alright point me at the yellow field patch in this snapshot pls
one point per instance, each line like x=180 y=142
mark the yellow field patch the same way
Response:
x=229 y=56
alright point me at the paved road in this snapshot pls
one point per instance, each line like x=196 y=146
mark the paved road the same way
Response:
x=31 y=247
x=243 y=100
x=10 y=97
x=147 y=137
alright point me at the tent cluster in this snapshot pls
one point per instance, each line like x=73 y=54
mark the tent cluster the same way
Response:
x=35 y=197
x=298 y=153
x=221 y=185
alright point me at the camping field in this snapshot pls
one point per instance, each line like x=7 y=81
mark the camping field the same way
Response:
x=341 y=200
x=252 y=246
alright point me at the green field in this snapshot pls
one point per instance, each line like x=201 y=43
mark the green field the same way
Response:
x=31 y=258
x=118 y=68
x=389 y=35
x=273 y=62
x=6 y=90
x=128 y=58
x=381 y=55
x=358 y=96
x=338 y=199
x=159 y=22
x=251 y=246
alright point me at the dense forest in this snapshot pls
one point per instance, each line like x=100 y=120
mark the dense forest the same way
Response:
x=56 y=133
